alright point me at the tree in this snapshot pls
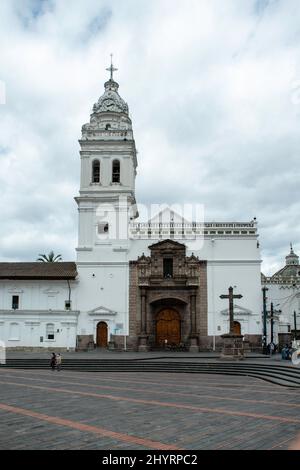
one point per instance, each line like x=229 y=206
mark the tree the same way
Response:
x=50 y=258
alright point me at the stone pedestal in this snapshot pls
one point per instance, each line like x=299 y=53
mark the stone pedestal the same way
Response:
x=233 y=347
x=85 y=342
x=194 y=346
x=143 y=343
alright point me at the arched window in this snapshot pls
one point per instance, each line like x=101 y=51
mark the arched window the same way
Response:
x=96 y=171
x=50 y=331
x=107 y=127
x=116 y=171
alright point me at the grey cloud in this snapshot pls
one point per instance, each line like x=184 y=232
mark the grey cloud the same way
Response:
x=210 y=91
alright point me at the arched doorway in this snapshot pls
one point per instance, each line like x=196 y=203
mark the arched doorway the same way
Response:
x=236 y=328
x=102 y=334
x=168 y=327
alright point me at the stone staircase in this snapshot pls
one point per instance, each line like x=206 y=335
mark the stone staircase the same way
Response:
x=285 y=375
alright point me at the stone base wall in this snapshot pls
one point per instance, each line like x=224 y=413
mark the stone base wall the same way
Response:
x=252 y=343
x=131 y=343
x=85 y=342
x=283 y=339
x=39 y=349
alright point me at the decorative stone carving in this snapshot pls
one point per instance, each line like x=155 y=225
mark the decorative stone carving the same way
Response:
x=111 y=101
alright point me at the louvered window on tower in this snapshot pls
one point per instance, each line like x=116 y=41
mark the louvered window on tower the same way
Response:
x=116 y=171
x=96 y=171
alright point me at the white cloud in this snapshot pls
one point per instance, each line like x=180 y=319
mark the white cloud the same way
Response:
x=213 y=91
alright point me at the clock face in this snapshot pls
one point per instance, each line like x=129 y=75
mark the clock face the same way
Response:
x=109 y=104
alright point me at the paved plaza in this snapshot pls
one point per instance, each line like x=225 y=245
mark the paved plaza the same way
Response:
x=41 y=409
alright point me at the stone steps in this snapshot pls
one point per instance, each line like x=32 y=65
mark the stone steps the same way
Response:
x=288 y=376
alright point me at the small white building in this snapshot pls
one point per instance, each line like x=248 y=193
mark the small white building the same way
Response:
x=137 y=283
x=38 y=305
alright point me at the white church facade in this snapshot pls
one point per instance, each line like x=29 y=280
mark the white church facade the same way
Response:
x=137 y=284
x=283 y=291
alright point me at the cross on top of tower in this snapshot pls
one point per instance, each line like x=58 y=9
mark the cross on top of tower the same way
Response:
x=111 y=69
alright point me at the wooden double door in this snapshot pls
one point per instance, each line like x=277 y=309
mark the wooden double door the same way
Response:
x=168 y=327
x=102 y=335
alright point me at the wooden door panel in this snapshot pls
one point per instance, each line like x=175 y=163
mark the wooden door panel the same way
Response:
x=102 y=335
x=168 y=327
x=237 y=328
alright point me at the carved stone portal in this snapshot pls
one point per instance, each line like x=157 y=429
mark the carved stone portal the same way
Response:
x=168 y=299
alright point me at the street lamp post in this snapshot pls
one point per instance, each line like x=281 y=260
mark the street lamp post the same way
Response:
x=295 y=325
x=272 y=322
x=265 y=289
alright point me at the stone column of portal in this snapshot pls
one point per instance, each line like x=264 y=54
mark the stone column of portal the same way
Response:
x=194 y=346
x=143 y=338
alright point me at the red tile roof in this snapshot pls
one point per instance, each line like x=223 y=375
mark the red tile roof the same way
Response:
x=38 y=270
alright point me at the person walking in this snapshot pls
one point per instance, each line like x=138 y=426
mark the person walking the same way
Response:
x=53 y=361
x=58 y=362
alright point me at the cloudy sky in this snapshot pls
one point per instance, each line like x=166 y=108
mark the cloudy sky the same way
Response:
x=213 y=88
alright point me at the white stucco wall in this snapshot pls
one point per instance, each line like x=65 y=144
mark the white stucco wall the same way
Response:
x=41 y=303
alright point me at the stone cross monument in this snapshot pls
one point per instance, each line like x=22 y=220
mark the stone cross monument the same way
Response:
x=233 y=347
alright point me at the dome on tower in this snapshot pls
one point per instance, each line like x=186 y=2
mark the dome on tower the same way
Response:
x=292 y=258
x=110 y=117
x=111 y=101
x=290 y=273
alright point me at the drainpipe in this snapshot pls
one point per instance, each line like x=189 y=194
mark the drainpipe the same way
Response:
x=69 y=290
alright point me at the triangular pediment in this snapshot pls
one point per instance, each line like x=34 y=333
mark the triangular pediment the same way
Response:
x=169 y=215
x=237 y=310
x=167 y=245
x=98 y=311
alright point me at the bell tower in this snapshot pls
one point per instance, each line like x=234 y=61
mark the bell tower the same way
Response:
x=106 y=200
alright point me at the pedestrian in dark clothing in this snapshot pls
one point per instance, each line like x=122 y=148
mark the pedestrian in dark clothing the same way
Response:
x=53 y=361
x=284 y=352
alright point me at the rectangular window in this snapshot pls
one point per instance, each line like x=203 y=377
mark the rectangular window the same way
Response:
x=15 y=302
x=50 y=331
x=168 y=268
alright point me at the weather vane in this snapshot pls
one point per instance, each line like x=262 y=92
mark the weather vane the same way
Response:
x=111 y=69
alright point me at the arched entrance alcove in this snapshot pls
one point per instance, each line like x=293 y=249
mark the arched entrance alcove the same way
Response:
x=168 y=327
x=102 y=335
x=168 y=319
x=236 y=327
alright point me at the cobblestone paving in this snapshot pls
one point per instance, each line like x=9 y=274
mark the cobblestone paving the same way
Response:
x=78 y=410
